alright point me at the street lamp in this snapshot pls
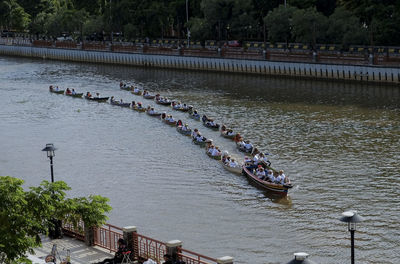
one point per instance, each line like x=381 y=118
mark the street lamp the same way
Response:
x=50 y=154
x=301 y=258
x=351 y=218
x=187 y=23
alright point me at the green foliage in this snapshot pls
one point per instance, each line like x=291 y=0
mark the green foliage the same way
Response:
x=24 y=215
x=345 y=29
x=279 y=23
x=309 y=26
x=13 y=16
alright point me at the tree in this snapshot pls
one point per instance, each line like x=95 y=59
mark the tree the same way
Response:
x=13 y=16
x=24 y=215
x=309 y=26
x=279 y=23
x=345 y=29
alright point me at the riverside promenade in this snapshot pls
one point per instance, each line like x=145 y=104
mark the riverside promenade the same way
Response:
x=79 y=252
x=309 y=66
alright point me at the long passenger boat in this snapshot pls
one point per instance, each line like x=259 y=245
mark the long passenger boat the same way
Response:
x=265 y=185
x=77 y=95
x=97 y=99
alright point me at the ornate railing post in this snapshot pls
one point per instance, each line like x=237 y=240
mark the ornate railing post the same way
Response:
x=225 y=260
x=128 y=233
x=173 y=248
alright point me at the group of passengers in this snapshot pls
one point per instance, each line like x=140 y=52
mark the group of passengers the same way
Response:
x=245 y=146
x=51 y=88
x=89 y=95
x=68 y=91
x=228 y=161
x=151 y=110
x=136 y=90
x=169 y=118
x=195 y=115
x=137 y=105
x=227 y=131
x=179 y=106
x=196 y=135
x=271 y=176
x=209 y=121
x=213 y=150
x=162 y=99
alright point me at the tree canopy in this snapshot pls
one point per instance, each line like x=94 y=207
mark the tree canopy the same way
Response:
x=24 y=215
x=355 y=22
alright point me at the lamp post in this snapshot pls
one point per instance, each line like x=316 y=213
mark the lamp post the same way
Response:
x=50 y=154
x=351 y=218
x=301 y=258
x=55 y=231
x=187 y=23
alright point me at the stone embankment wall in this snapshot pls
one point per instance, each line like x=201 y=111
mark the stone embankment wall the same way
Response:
x=373 y=74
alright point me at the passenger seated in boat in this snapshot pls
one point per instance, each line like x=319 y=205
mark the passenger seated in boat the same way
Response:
x=270 y=176
x=255 y=152
x=223 y=128
x=255 y=160
x=133 y=104
x=88 y=94
x=57 y=88
x=195 y=114
x=68 y=91
x=51 y=88
x=121 y=102
x=144 y=92
x=179 y=123
x=151 y=110
x=260 y=173
x=248 y=146
x=233 y=163
x=205 y=118
x=211 y=123
x=238 y=138
x=230 y=132
x=283 y=179
x=210 y=149
x=199 y=137
x=184 y=106
x=163 y=115
x=136 y=90
x=97 y=95
x=195 y=133
x=185 y=127
x=139 y=105
x=73 y=91
x=216 y=152
x=247 y=160
x=121 y=84
x=262 y=158
x=112 y=99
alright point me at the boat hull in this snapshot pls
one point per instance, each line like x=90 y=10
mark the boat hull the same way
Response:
x=137 y=93
x=78 y=95
x=214 y=157
x=185 y=133
x=216 y=127
x=163 y=103
x=120 y=104
x=278 y=189
x=154 y=114
x=236 y=170
x=141 y=109
x=227 y=136
x=58 y=92
x=97 y=99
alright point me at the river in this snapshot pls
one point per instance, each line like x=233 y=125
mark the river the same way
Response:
x=338 y=142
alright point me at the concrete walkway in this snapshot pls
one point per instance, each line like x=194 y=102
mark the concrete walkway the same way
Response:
x=80 y=253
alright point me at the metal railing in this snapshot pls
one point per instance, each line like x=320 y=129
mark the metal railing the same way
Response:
x=107 y=237
x=146 y=247
x=190 y=257
x=70 y=230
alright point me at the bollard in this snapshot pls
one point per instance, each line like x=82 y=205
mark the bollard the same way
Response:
x=130 y=238
x=173 y=247
x=89 y=236
x=371 y=59
x=314 y=56
x=225 y=260
x=219 y=52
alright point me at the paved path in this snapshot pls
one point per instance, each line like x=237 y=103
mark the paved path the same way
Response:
x=80 y=253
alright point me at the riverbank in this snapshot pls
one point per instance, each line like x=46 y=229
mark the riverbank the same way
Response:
x=369 y=74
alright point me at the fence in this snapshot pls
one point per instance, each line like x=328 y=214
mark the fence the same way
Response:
x=146 y=247
x=190 y=257
x=72 y=231
x=107 y=237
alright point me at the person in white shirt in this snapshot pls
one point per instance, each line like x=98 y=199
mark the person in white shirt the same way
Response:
x=211 y=149
x=260 y=173
x=233 y=163
x=248 y=145
x=211 y=122
x=195 y=132
x=283 y=179
x=136 y=90
x=255 y=160
x=230 y=132
x=216 y=152
x=271 y=176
